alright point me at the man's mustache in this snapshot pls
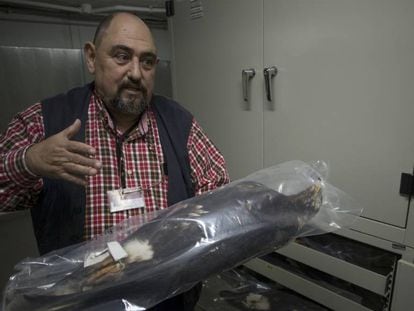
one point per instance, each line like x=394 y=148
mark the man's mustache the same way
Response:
x=131 y=85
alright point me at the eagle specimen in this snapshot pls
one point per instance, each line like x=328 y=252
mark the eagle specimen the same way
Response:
x=185 y=244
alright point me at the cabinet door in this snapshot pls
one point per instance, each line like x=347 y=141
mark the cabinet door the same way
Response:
x=344 y=94
x=212 y=42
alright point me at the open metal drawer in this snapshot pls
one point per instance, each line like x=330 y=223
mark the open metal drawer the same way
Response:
x=333 y=271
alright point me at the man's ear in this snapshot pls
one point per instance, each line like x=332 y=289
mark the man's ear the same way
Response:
x=90 y=55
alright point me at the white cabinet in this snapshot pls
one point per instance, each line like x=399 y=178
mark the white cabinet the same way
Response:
x=209 y=54
x=344 y=94
x=344 y=91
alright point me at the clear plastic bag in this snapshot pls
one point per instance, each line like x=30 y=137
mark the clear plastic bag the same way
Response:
x=184 y=244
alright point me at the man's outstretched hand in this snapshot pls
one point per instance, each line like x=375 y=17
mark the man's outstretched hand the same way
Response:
x=59 y=157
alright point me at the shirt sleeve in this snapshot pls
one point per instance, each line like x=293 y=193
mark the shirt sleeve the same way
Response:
x=208 y=167
x=19 y=188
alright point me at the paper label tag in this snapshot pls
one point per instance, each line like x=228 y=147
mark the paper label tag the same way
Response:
x=125 y=199
x=116 y=250
x=96 y=257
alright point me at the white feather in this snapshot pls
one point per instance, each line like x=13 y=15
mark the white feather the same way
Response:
x=257 y=302
x=138 y=250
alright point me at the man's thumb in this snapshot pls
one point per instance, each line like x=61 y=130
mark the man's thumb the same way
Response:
x=72 y=129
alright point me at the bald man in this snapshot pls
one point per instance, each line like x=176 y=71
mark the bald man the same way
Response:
x=87 y=159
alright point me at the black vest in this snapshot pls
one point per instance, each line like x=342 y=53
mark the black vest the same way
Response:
x=59 y=218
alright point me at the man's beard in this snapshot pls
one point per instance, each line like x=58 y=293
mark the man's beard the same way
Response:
x=130 y=104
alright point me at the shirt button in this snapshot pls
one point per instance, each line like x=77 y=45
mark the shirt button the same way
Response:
x=129 y=172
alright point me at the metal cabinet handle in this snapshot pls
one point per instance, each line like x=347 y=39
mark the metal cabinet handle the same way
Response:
x=247 y=75
x=269 y=73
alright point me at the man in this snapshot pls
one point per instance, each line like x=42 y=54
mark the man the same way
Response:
x=85 y=160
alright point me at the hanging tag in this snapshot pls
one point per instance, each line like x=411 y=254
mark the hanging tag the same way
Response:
x=116 y=250
x=125 y=199
x=95 y=257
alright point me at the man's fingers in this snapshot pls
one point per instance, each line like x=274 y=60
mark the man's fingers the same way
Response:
x=72 y=129
x=83 y=160
x=78 y=169
x=80 y=148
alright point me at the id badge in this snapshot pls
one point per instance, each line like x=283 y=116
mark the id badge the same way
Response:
x=125 y=199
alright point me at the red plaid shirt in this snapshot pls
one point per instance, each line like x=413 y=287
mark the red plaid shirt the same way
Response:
x=143 y=159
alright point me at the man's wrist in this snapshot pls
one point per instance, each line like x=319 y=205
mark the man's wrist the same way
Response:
x=17 y=169
x=27 y=163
